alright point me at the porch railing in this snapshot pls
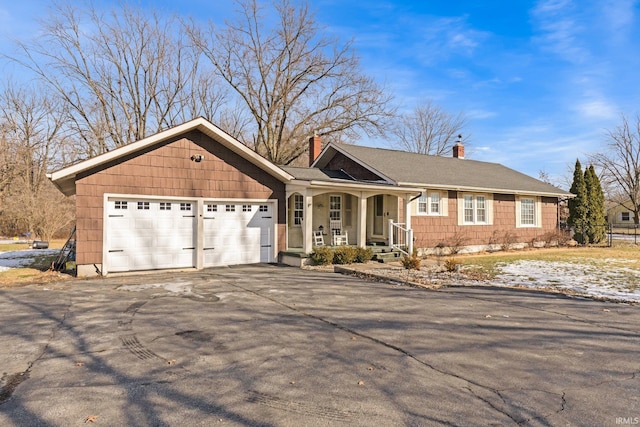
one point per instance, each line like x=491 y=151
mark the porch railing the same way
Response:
x=400 y=237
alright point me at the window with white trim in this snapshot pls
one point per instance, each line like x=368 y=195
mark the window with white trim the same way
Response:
x=335 y=208
x=298 y=209
x=165 y=206
x=624 y=216
x=263 y=208
x=212 y=208
x=143 y=206
x=475 y=209
x=430 y=203
x=528 y=211
x=246 y=208
x=230 y=208
x=185 y=206
x=119 y=204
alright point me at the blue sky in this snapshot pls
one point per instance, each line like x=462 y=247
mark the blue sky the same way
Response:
x=540 y=81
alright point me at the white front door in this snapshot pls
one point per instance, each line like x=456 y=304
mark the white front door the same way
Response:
x=378 y=215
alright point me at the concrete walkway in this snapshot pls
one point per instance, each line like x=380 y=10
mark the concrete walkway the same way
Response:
x=274 y=346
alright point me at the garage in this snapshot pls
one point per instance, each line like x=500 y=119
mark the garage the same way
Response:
x=162 y=234
x=237 y=233
x=150 y=234
x=191 y=196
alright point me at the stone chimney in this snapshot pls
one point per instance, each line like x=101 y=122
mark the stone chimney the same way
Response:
x=458 y=149
x=315 y=147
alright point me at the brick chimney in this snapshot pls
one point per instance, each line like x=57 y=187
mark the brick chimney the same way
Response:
x=315 y=147
x=458 y=149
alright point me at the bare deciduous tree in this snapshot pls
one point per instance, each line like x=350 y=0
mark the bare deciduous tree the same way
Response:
x=123 y=75
x=31 y=134
x=292 y=79
x=429 y=129
x=620 y=165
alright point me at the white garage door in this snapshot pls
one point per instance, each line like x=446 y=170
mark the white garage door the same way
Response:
x=146 y=234
x=237 y=233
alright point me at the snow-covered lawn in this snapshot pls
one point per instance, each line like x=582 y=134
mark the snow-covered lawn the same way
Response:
x=24 y=258
x=607 y=278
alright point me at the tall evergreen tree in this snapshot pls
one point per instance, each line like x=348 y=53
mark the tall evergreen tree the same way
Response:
x=596 y=222
x=578 y=205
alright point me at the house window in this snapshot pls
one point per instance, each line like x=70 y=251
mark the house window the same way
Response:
x=298 y=209
x=143 y=206
x=348 y=210
x=434 y=205
x=335 y=208
x=246 y=208
x=120 y=204
x=624 y=216
x=422 y=204
x=165 y=206
x=212 y=208
x=185 y=206
x=230 y=208
x=263 y=208
x=475 y=209
x=481 y=209
x=468 y=209
x=429 y=204
x=527 y=212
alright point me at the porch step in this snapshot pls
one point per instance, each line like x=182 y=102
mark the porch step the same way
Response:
x=386 y=254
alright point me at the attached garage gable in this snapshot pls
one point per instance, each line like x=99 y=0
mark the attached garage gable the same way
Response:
x=146 y=209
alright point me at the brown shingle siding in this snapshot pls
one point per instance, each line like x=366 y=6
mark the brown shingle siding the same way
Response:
x=167 y=171
x=431 y=231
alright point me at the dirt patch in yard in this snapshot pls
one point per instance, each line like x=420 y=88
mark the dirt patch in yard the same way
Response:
x=20 y=277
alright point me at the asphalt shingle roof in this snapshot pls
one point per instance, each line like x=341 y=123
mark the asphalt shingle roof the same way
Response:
x=447 y=172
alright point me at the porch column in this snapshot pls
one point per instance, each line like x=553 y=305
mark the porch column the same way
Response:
x=362 y=222
x=307 y=222
x=407 y=210
x=407 y=221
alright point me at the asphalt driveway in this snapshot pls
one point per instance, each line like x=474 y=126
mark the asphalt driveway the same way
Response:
x=265 y=345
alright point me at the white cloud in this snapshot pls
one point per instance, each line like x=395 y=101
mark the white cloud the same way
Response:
x=596 y=109
x=479 y=114
x=619 y=14
x=447 y=36
x=559 y=30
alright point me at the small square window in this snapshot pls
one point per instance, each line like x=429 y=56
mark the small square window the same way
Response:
x=625 y=216
x=185 y=206
x=230 y=208
x=264 y=208
x=165 y=206
x=120 y=204
x=246 y=208
x=212 y=208
x=143 y=206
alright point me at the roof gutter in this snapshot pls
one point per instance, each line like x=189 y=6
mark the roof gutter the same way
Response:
x=486 y=190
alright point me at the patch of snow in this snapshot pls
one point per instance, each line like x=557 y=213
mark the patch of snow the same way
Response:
x=617 y=283
x=18 y=259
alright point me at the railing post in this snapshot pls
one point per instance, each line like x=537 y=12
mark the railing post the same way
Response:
x=391 y=233
x=410 y=243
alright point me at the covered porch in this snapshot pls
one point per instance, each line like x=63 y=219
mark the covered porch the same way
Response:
x=363 y=215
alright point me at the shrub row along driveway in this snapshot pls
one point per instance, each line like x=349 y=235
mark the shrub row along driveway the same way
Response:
x=266 y=345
